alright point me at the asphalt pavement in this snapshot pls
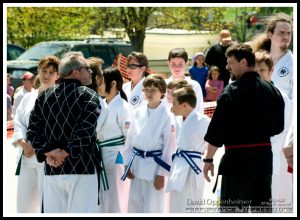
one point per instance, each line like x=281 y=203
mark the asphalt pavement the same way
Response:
x=10 y=183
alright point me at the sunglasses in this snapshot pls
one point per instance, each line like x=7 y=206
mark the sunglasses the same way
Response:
x=87 y=68
x=134 y=66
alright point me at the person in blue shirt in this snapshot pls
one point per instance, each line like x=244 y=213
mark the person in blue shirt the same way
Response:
x=199 y=71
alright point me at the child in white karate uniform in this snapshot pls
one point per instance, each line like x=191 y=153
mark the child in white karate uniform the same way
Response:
x=178 y=63
x=111 y=136
x=148 y=150
x=186 y=182
x=30 y=172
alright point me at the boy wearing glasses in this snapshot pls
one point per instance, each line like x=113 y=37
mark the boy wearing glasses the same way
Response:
x=186 y=182
x=178 y=63
x=149 y=147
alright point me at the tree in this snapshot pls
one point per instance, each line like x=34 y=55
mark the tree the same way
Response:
x=135 y=21
x=29 y=25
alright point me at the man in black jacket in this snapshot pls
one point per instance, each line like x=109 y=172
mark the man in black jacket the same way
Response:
x=249 y=111
x=62 y=130
x=216 y=55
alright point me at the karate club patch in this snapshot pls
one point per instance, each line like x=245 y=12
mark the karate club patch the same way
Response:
x=283 y=71
x=134 y=100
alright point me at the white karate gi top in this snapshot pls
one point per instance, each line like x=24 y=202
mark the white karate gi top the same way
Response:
x=197 y=89
x=135 y=97
x=190 y=136
x=282 y=75
x=116 y=125
x=21 y=121
x=148 y=133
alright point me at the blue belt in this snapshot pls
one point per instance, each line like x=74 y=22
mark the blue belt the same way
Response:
x=188 y=156
x=155 y=154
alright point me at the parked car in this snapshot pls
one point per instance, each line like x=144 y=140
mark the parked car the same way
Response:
x=14 y=51
x=28 y=61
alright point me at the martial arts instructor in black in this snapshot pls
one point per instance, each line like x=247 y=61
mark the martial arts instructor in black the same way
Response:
x=249 y=111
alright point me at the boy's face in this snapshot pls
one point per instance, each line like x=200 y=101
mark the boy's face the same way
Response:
x=263 y=70
x=177 y=108
x=48 y=75
x=170 y=95
x=177 y=66
x=152 y=94
x=102 y=87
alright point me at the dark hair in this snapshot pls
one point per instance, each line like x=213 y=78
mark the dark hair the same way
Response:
x=177 y=84
x=241 y=51
x=156 y=81
x=212 y=68
x=178 y=52
x=141 y=59
x=96 y=66
x=113 y=74
x=185 y=94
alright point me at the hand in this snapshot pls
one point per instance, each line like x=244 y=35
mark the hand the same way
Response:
x=288 y=151
x=130 y=174
x=56 y=157
x=27 y=147
x=51 y=161
x=208 y=167
x=290 y=162
x=159 y=182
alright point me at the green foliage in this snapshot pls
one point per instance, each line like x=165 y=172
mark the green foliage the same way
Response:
x=236 y=18
x=29 y=25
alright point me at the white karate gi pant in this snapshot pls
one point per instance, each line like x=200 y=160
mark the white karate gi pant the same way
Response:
x=115 y=199
x=30 y=186
x=144 y=198
x=180 y=202
x=282 y=181
x=75 y=193
x=282 y=186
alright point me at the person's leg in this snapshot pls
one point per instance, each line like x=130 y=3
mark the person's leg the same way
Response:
x=235 y=193
x=154 y=200
x=261 y=197
x=55 y=194
x=39 y=169
x=135 y=201
x=111 y=197
x=27 y=193
x=83 y=193
x=282 y=188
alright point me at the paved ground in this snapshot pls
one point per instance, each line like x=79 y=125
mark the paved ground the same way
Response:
x=10 y=181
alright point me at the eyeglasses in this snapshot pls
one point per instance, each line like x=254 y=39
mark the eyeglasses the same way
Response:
x=88 y=68
x=133 y=66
